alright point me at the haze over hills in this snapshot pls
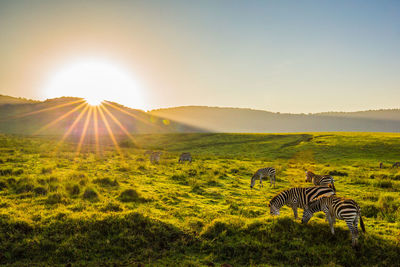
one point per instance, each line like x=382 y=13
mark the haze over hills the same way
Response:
x=257 y=121
x=56 y=116
x=24 y=116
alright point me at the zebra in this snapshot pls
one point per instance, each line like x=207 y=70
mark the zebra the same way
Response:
x=263 y=173
x=396 y=164
x=380 y=165
x=340 y=208
x=155 y=157
x=297 y=197
x=186 y=156
x=324 y=180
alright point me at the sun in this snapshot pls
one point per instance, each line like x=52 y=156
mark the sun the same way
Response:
x=95 y=80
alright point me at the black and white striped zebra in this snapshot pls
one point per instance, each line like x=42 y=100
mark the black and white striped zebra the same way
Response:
x=261 y=174
x=298 y=197
x=324 y=180
x=337 y=208
x=155 y=157
x=186 y=156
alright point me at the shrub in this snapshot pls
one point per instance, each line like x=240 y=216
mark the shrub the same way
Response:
x=5 y=172
x=129 y=195
x=111 y=206
x=369 y=211
x=73 y=190
x=47 y=170
x=40 y=190
x=338 y=173
x=384 y=184
x=106 y=182
x=3 y=185
x=90 y=194
x=54 y=198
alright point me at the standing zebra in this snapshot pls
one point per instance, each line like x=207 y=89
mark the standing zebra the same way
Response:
x=340 y=208
x=396 y=164
x=155 y=157
x=263 y=173
x=324 y=180
x=186 y=156
x=297 y=198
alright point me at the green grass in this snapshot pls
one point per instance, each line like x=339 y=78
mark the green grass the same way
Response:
x=92 y=209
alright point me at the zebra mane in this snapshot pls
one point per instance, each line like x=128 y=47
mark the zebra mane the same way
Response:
x=276 y=197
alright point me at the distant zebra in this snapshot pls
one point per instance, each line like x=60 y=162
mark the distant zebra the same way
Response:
x=396 y=164
x=155 y=157
x=186 y=156
x=261 y=174
x=324 y=180
x=340 y=208
x=297 y=198
x=380 y=165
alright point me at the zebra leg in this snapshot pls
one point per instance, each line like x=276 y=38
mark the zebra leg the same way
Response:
x=295 y=212
x=331 y=222
x=354 y=233
x=261 y=184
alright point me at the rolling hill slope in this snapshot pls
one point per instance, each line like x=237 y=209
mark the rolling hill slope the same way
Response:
x=258 y=121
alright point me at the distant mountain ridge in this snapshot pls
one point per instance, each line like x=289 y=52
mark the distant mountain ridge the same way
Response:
x=14 y=119
x=69 y=114
x=258 y=121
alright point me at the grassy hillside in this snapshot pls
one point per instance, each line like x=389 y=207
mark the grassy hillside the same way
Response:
x=57 y=207
x=56 y=116
x=259 y=121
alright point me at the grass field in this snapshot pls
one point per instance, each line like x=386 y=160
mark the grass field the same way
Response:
x=114 y=207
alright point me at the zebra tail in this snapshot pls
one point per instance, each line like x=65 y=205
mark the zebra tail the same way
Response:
x=362 y=223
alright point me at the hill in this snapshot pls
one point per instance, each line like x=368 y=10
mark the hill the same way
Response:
x=4 y=99
x=115 y=208
x=59 y=115
x=257 y=121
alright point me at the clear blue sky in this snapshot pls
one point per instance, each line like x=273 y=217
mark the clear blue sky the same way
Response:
x=287 y=56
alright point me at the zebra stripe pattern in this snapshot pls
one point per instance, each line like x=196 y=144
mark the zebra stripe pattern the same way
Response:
x=337 y=208
x=298 y=198
x=263 y=173
x=324 y=180
x=186 y=156
x=155 y=157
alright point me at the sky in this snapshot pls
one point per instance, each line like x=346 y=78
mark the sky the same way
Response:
x=282 y=56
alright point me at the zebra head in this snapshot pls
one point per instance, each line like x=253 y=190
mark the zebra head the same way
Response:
x=273 y=209
x=309 y=176
x=310 y=209
x=253 y=181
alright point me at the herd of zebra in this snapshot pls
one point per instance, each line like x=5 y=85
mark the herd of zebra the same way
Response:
x=155 y=156
x=320 y=197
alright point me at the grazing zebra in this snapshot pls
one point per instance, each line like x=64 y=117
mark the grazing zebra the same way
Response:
x=340 y=208
x=297 y=198
x=324 y=180
x=186 y=156
x=263 y=173
x=155 y=157
x=396 y=164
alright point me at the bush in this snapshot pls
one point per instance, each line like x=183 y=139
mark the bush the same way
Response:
x=106 y=182
x=129 y=195
x=5 y=172
x=47 y=170
x=338 y=173
x=384 y=184
x=3 y=185
x=111 y=206
x=90 y=194
x=40 y=191
x=73 y=190
x=54 y=198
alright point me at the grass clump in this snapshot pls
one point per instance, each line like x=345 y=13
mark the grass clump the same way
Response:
x=40 y=191
x=112 y=206
x=73 y=189
x=106 y=182
x=129 y=195
x=90 y=194
x=55 y=198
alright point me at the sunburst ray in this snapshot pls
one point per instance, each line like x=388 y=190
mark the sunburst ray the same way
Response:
x=85 y=127
x=59 y=119
x=119 y=124
x=109 y=130
x=73 y=124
